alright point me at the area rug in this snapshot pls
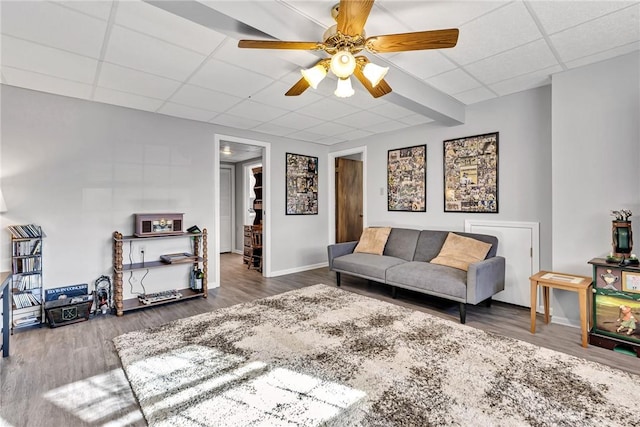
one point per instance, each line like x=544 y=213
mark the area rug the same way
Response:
x=321 y=356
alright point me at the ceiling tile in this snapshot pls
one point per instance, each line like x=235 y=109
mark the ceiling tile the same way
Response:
x=455 y=81
x=115 y=97
x=136 y=82
x=328 y=109
x=422 y=64
x=415 y=119
x=387 y=126
x=607 y=54
x=305 y=135
x=151 y=55
x=356 y=134
x=206 y=99
x=330 y=129
x=361 y=119
x=45 y=83
x=330 y=140
x=270 y=63
x=237 y=122
x=560 y=15
x=185 y=112
x=96 y=8
x=611 y=31
x=273 y=129
x=156 y=22
x=296 y=121
x=223 y=77
x=274 y=94
x=390 y=111
x=45 y=60
x=475 y=95
x=256 y=110
x=432 y=15
x=527 y=81
x=495 y=32
x=512 y=63
x=54 y=26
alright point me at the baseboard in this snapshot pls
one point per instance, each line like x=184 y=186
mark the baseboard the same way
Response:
x=298 y=269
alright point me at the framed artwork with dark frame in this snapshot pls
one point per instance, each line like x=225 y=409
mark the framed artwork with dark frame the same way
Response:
x=301 y=184
x=471 y=174
x=407 y=179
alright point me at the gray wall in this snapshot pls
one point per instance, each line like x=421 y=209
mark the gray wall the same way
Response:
x=81 y=169
x=596 y=158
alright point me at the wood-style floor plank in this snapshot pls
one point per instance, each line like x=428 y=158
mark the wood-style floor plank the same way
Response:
x=53 y=375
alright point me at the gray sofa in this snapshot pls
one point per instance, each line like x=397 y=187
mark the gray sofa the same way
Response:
x=405 y=264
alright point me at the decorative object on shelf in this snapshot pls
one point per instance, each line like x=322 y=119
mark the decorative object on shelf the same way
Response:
x=68 y=304
x=102 y=295
x=622 y=236
x=302 y=184
x=407 y=179
x=178 y=257
x=471 y=174
x=631 y=281
x=194 y=229
x=158 y=224
x=257 y=190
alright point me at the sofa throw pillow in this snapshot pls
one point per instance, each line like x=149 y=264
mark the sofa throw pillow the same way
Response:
x=459 y=251
x=373 y=240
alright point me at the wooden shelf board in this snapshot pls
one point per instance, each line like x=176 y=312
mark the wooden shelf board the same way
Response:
x=167 y=236
x=134 y=304
x=157 y=264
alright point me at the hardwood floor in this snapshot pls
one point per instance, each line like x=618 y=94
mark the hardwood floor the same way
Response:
x=68 y=376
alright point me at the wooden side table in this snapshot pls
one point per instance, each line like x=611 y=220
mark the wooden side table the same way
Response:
x=565 y=282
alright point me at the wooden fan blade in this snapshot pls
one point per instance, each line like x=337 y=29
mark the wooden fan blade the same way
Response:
x=352 y=15
x=277 y=44
x=298 y=88
x=436 y=39
x=382 y=88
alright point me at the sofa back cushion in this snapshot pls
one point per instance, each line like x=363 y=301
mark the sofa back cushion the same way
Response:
x=430 y=242
x=373 y=240
x=460 y=251
x=402 y=243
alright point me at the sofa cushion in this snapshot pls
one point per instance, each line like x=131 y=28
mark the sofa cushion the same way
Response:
x=438 y=279
x=459 y=251
x=429 y=244
x=373 y=240
x=367 y=265
x=402 y=243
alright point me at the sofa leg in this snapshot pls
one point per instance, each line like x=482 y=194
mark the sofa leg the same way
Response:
x=487 y=302
x=394 y=292
x=337 y=278
x=463 y=313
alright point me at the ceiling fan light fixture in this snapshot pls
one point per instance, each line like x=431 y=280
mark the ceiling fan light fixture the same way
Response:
x=314 y=75
x=344 y=88
x=342 y=64
x=374 y=73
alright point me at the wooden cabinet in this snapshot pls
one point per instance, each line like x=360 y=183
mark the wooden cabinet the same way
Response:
x=246 y=253
x=197 y=261
x=26 y=268
x=616 y=306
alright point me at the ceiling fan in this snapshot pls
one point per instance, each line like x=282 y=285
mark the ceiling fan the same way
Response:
x=346 y=39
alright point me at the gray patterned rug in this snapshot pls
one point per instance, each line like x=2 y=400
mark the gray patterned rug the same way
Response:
x=323 y=356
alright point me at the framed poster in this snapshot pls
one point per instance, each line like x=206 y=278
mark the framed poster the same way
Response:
x=471 y=174
x=631 y=281
x=302 y=184
x=407 y=179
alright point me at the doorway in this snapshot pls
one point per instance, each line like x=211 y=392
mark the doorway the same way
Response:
x=347 y=194
x=227 y=207
x=231 y=153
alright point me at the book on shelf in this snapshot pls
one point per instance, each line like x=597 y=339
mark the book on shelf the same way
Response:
x=27 y=320
x=28 y=231
x=177 y=257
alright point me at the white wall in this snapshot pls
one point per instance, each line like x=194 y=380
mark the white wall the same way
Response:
x=81 y=169
x=524 y=123
x=596 y=158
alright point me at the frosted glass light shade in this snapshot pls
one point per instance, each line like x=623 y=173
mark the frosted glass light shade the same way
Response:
x=314 y=75
x=344 y=89
x=374 y=73
x=342 y=64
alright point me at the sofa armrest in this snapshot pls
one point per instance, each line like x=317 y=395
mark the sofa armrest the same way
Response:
x=339 y=249
x=485 y=279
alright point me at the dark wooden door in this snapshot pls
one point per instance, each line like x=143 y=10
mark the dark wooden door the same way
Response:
x=348 y=200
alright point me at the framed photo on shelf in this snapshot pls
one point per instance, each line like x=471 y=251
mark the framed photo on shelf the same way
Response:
x=631 y=281
x=407 y=179
x=471 y=174
x=302 y=184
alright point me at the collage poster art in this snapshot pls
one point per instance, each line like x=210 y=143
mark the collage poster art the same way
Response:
x=302 y=184
x=407 y=179
x=471 y=174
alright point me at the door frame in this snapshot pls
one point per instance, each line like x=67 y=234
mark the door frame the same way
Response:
x=232 y=168
x=331 y=204
x=266 y=196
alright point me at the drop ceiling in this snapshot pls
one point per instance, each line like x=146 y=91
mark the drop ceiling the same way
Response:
x=180 y=58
